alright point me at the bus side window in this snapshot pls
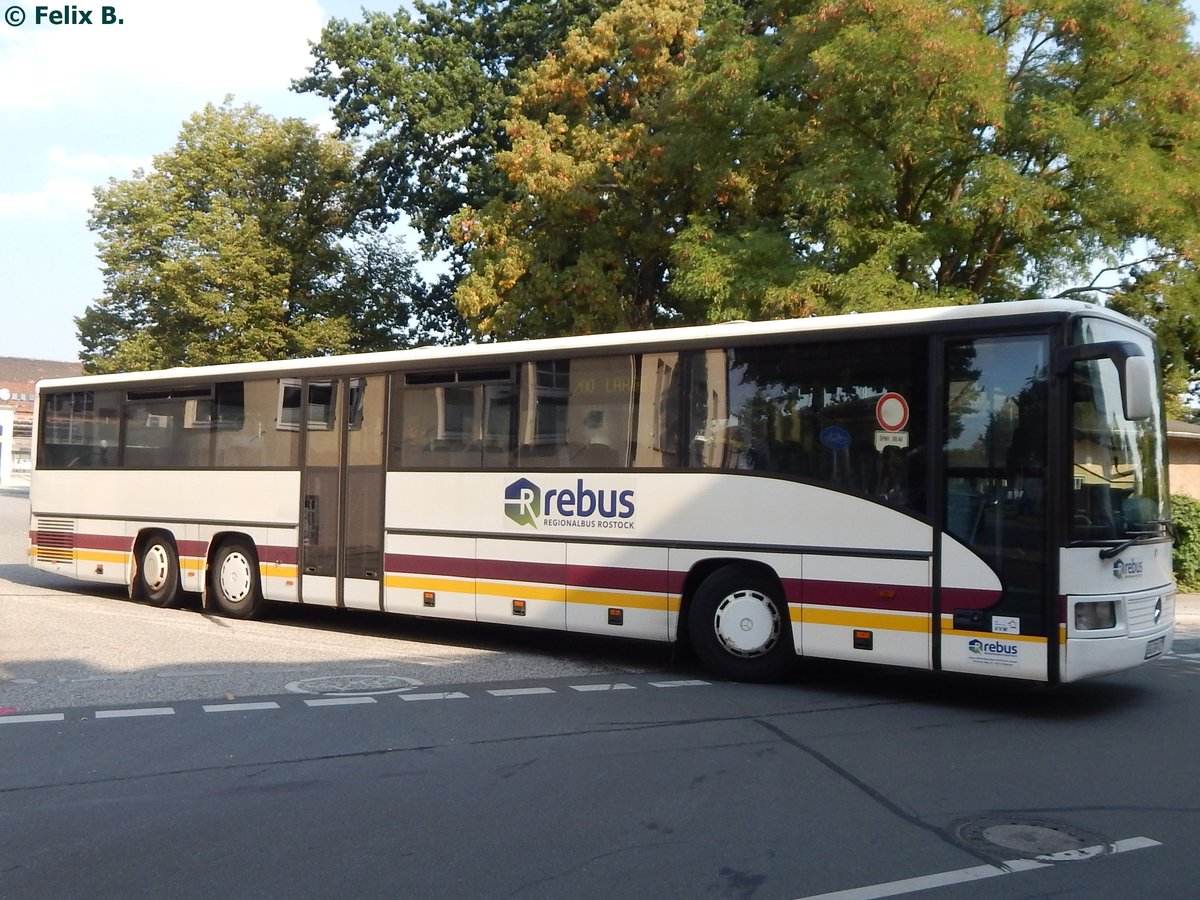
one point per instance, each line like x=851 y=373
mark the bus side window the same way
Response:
x=80 y=429
x=576 y=413
x=453 y=426
x=248 y=432
x=658 y=427
x=158 y=436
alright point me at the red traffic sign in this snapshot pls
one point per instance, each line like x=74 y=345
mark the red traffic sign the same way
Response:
x=891 y=412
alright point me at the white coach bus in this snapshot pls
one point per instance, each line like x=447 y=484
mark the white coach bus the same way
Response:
x=972 y=489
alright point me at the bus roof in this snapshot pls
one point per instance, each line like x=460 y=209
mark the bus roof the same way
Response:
x=663 y=339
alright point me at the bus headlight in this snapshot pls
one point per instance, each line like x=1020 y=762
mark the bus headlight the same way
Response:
x=1095 y=615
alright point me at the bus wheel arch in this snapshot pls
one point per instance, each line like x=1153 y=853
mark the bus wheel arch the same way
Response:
x=737 y=621
x=156 y=576
x=234 y=584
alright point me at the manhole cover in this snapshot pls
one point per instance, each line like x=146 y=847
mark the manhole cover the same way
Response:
x=354 y=685
x=1007 y=837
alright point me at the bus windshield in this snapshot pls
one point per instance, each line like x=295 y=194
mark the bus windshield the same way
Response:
x=1119 y=490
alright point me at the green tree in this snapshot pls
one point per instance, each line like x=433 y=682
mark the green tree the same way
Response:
x=1164 y=294
x=427 y=92
x=799 y=158
x=584 y=242
x=242 y=243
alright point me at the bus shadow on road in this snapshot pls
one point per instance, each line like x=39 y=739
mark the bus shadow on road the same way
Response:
x=1085 y=700
x=27 y=576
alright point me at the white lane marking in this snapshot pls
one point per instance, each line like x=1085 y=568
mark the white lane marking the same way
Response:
x=348 y=700
x=1084 y=853
x=134 y=713
x=38 y=717
x=977 y=873
x=620 y=686
x=444 y=695
x=240 y=707
x=338 y=701
x=1136 y=843
x=191 y=674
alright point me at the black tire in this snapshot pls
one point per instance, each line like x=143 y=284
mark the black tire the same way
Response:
x=233 y=582
x=739 y=626
x=158 y=572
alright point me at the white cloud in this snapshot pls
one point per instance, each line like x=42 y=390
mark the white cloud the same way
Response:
x=211 y=48
x=94 y=163
x=67 y=189
x=57 y=198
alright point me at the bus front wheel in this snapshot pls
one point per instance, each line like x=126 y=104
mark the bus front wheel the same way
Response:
x=158 y=572
x=233 y=580
x=739 y=625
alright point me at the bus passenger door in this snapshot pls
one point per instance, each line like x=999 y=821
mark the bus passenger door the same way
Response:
x=997 y=614
x=341 y=515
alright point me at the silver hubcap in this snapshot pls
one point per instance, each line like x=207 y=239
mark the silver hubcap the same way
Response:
x=155 y=567
x=747 y=623
x=236 y=578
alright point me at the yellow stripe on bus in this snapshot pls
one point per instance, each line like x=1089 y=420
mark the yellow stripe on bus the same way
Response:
x=859 y=618
x=1024 y=638
x=918 y=623
x=551 y=593
x=424 y=583
x=101 y=556
x=949 y=631
x=656 y=602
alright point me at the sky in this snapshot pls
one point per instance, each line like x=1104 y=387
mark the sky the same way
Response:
x=82 y=103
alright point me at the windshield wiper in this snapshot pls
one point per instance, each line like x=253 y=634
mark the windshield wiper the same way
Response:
x=1165 y=527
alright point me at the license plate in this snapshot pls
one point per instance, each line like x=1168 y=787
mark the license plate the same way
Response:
x=1155 y=647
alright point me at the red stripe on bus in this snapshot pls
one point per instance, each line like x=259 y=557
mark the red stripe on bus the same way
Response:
x=968 y=598
x=651 y=581
x=273 y=553
x=899 y=597
x=514 y=570
x=654 y=581
x=112 y=542
x=446 y=566
x=122 y=544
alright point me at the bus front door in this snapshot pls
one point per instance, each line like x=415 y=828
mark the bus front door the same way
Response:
x=342 y=487
x=997 y=612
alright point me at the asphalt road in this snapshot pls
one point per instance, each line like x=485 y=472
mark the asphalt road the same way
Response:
x=184 y=756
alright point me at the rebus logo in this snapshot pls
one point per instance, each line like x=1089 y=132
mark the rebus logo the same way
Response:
x=523 y=502
x=1127 y=569
x=578 y=506
x=992 y=648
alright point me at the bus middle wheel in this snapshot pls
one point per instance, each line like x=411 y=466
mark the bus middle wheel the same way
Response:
x=233 y=580
x=158 y=572
x=739 y=625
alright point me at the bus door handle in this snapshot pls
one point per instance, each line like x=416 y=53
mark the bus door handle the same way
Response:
x=970 y=620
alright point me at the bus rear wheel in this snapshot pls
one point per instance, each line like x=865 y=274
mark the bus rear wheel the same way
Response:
x=233 y=580
x=158 y=572
x=739 y=625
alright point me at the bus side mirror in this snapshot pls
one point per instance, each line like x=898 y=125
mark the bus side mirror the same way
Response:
x=1135 y=369
x=1137 y=387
